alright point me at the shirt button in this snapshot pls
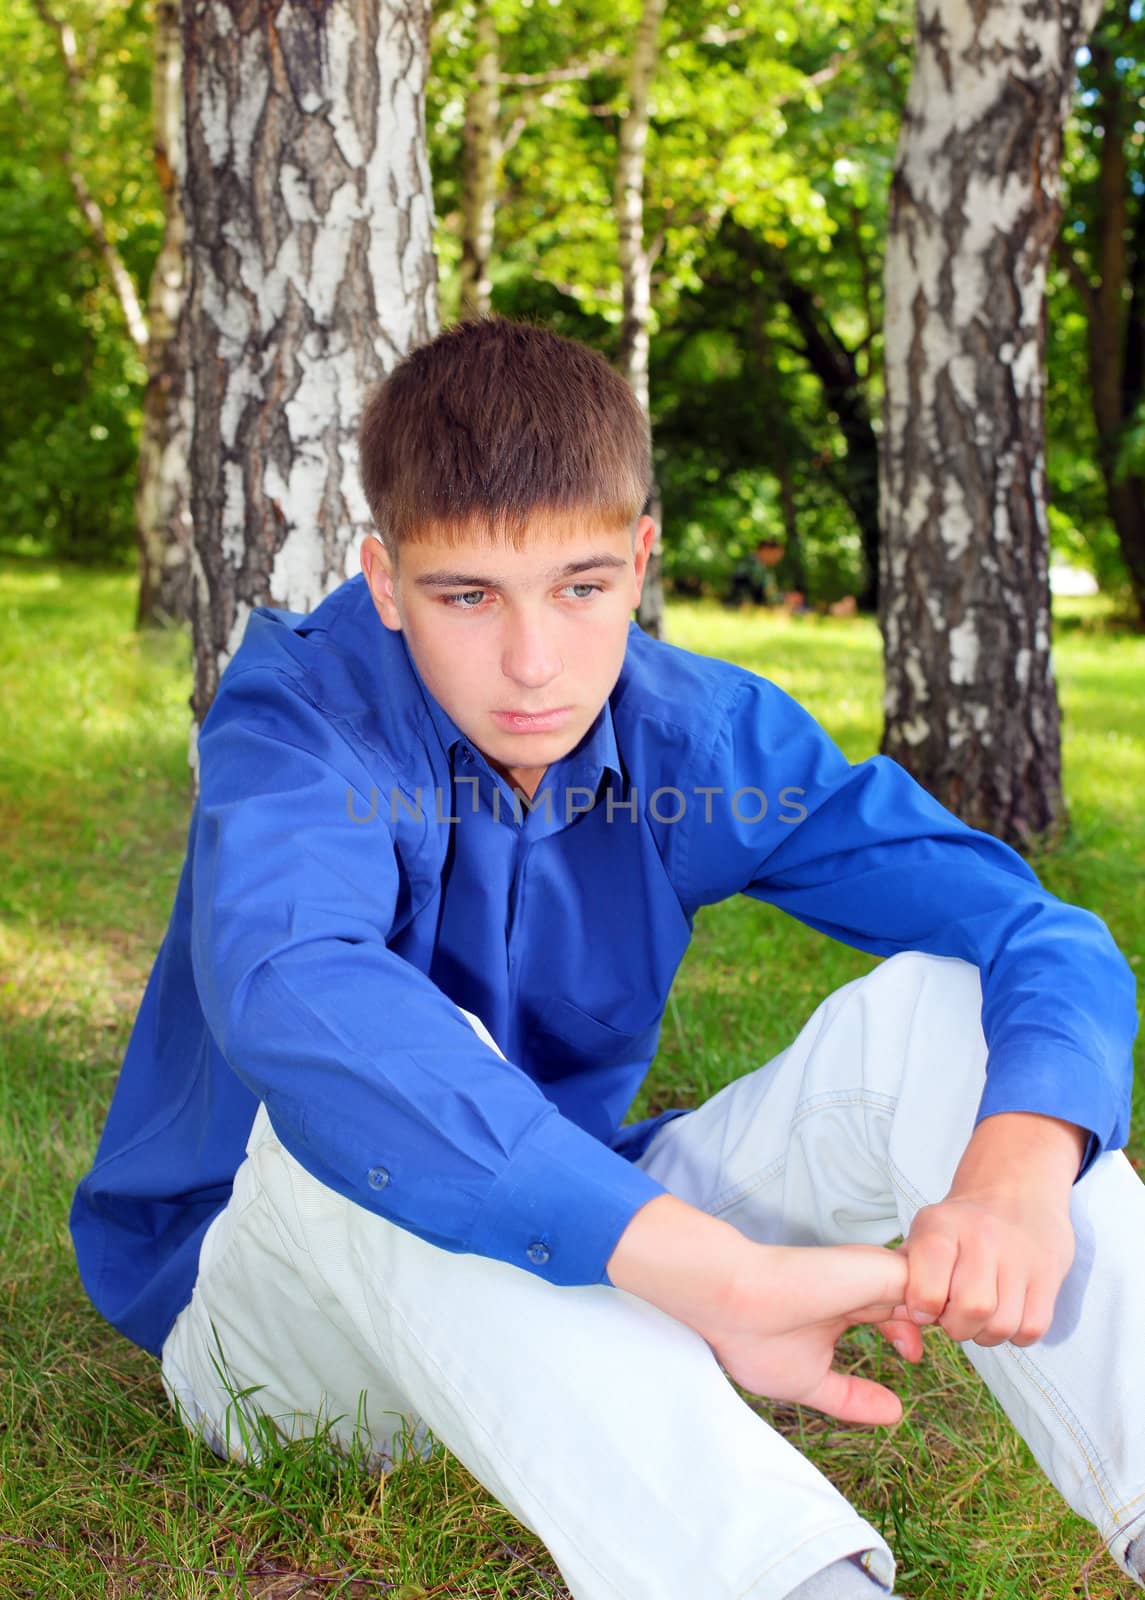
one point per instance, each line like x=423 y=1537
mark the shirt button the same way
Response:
x=377 y=1177
x=466 y=753
x=538 y=1253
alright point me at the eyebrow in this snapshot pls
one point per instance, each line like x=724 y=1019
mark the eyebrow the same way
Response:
x=469 y=580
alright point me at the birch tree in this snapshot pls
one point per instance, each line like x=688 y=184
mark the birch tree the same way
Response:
x=481 y=162
x=636 y=270
x=310 y=215
x=162 y=489
x=971 y=704
x=133 y=314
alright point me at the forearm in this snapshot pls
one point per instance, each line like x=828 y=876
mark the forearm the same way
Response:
x=1018 y=1148
x=770 y=1313
x=680 y=1259
x=695 y=1267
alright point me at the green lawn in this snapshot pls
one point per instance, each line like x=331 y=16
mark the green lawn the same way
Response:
x=100 y=1491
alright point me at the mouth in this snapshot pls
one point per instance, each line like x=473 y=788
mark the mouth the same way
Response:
x=531 y=721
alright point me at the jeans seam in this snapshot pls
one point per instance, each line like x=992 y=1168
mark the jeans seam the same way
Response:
x=804 y=1109
x=1128 y=1505
x=1093 y=1463
x=748 y=1186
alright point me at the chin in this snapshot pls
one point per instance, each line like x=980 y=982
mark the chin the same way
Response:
x=535 y=749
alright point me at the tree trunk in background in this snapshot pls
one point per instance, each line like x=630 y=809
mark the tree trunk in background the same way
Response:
x=310 y=214
x=482 y=156
x=776 y=431
x=857 y=477
x=162 y=489
x=971 y=705
x=1132 y=529
x=121 y=279
x=636 y=272
x=1115 y=304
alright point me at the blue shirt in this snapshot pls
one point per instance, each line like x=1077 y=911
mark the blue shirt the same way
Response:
x=356 y=872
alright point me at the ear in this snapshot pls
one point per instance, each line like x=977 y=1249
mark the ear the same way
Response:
x=644 y=535
x=378 y=569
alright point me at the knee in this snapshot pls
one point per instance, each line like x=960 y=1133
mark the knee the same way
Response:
x=937 y=1001
x=915 y=970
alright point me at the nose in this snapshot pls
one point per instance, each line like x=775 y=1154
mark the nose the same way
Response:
x=529 y=653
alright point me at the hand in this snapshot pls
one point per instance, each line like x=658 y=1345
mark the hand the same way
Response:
x=987 y=1267
x=771 y=1314
x=791 y=1306
x=986 y=1263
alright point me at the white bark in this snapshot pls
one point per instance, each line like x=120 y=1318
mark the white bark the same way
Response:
x=311 y=220
x=93 y=212
x=971 y=707
x=162 y=490
x=635 y=264
x=636 y=268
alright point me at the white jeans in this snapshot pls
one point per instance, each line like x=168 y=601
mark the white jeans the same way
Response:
x=602 y=1424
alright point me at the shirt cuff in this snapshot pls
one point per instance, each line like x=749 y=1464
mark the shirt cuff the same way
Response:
x=1057 y=1082
x=561 y=1205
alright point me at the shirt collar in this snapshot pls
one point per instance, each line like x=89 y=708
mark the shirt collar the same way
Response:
x=596 y=754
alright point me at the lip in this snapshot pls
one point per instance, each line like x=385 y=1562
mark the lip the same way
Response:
x=531 y=722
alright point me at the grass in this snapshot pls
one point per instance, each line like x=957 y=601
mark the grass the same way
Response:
x=101 y=1493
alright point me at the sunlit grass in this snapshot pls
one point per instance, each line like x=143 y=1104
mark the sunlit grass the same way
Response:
x=100 y=1491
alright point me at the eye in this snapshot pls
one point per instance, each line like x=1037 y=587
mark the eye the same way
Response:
x=458 y=601
x=592 y=588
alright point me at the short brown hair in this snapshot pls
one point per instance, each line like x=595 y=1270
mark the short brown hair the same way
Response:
x=494 y=421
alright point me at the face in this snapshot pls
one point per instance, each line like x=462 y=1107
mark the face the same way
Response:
x=521 y=647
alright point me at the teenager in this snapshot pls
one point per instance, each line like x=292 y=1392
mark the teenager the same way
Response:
x=366 y=1164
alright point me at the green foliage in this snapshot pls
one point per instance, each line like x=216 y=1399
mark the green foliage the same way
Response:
x=1080 y=525
x=772 y=140
x=764 y=125
x=71 y=390
x=1131 y=462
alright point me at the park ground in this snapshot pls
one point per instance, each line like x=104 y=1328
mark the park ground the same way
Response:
x=101 y=1494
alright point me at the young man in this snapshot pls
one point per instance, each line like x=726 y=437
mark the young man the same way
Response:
x=453 y=829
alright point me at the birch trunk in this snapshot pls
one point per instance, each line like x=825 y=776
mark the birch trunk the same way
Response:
x=482 y=157
x=121 y=279
x=971 y=704
x=636 y=271
x=162 y=489
x=310 y=215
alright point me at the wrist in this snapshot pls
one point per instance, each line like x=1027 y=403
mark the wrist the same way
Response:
x=685 y=1262
x=1019 y=1149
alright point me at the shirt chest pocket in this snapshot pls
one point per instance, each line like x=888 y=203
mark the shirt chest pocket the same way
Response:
x=564 y=1039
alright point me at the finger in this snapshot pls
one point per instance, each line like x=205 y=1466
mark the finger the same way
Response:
x=931 y=1261
x=973 y=1290
x=906 y=1336
x=858 y=1282
x=881 y=1311
x=1007 y=1318
x=854 y=1399
x=1037 y=1314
